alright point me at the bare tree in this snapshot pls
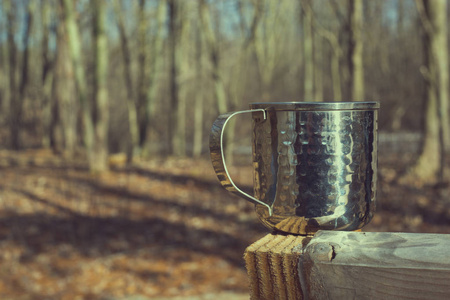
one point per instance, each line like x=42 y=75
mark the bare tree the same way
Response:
x=336 y=54
x=266 y=42
x=184 y=62
x=74 y=42
x=213 y=49
x=9 y=7
x=62 y=107
x=5 y=61
x=48 y=64
x=89 y=132
x=355 y=53
x=400 y=64
x=174 y=32
x=319 y=58
x=140 y=103
x=142 y=67
x=198 y=106
x=99 y=155
x=155 y=51
x=214 y=56
x=180 y=54
x=17 y=97
x=308 y=42
x=126 y=54
x=430 y=164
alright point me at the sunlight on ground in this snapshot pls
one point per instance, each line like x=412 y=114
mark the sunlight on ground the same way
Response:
x=163 y=228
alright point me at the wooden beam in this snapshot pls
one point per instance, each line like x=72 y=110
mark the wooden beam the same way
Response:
x=350 y=265
x=272 y=267
x=370 y=265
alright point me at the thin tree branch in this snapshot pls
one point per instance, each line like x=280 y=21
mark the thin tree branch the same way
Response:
x=428 y=27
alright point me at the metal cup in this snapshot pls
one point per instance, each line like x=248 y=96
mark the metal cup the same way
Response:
x=315 y=164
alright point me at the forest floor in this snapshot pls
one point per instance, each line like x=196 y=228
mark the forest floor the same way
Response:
x=160 y=228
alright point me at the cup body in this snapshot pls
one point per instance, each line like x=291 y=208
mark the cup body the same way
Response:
x=315 y=164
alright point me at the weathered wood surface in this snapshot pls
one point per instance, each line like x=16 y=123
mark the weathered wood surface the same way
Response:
x=272 y=266
x=360 y=265
x=350 y=265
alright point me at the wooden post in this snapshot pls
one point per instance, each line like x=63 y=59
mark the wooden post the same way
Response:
x=272 y=266
x=350 y=265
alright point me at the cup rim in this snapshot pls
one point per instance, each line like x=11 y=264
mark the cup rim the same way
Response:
x=317 y=106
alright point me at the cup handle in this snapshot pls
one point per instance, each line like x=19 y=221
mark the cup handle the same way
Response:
x=218 y=157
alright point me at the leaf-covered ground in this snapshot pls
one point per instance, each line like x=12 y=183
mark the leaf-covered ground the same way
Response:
x=161 y=228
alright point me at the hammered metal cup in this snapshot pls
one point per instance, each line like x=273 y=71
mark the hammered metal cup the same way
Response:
x=315 y=164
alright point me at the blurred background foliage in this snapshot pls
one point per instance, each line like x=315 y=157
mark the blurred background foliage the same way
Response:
x=147 y=78
x=132 y=87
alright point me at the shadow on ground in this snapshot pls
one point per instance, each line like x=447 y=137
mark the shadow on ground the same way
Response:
x=161 y=231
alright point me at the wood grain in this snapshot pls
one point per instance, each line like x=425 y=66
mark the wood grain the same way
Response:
x=272 y=266
x=360 y=265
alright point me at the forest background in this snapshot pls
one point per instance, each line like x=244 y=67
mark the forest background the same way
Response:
x=106 y=108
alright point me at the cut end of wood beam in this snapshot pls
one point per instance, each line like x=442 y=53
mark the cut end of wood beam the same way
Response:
x=272 y=266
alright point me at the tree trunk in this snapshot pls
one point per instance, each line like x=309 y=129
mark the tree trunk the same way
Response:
x=214 y=56
x=48 y=65
x=356 y=50
x=252 y=44
x=198 y=106
x=212 y=46
x=17 y=108
x=156 y=47
x=13 y=99
x=4 y=83
x=430 y=164
x=308 y=41
x=80 y=81
x=64 y=118
x=173 y=76
x=266 y=42
x=16 y=104
x=5 y=67
x=318 y=68
x=438 y=9
x=336 y=75
x=184 y=69
x=99 y=156
x=142 y=80
x=400 y=64
x=131 y=104
x=336 y=55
